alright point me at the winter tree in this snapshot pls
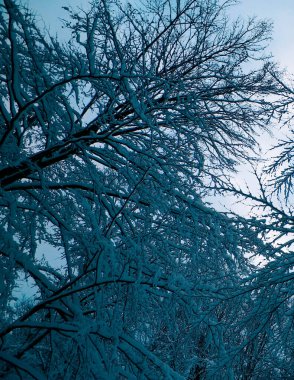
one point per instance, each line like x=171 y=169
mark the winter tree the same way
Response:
x=108 y=145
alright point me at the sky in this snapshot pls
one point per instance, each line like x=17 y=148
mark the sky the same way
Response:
x=281 y=12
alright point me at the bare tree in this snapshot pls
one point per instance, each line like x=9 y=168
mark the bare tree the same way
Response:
x=105 y=144
x=268 y=322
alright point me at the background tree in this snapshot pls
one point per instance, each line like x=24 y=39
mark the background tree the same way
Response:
x=106 y=142
x=271 y=286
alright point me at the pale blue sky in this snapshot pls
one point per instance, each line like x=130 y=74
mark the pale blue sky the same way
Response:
x=280 y=12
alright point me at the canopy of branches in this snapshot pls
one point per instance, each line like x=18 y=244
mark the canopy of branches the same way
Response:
x=109 y=144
